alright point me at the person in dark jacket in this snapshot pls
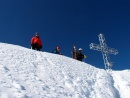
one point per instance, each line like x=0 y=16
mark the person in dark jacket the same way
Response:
x=57 y=50
x=79 y=54
x=36 y=42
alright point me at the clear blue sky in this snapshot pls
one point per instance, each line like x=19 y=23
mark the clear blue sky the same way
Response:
x=66 y=23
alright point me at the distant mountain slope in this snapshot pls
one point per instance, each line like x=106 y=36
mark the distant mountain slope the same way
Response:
x=26 y=73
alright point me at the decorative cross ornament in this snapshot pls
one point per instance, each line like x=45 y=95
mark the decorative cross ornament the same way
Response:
x=105 y=51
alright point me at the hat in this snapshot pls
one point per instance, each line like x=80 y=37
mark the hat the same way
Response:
x=58 y=47
x=36 y=33
x=80 y=48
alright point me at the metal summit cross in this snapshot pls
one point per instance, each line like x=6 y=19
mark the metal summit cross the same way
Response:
x=105 y=51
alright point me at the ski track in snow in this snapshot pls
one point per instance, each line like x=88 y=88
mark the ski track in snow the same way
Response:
x=26 y=73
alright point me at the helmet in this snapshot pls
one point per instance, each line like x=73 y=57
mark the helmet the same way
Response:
x=80 y=48
x=58 y=47
x=36 y=33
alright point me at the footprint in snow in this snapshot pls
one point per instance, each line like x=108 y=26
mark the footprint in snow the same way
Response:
x=18 y=86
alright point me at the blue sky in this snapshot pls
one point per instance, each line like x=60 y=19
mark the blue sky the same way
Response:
x=66 y=23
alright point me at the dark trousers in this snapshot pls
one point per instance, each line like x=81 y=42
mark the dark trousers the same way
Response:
x=36 y=46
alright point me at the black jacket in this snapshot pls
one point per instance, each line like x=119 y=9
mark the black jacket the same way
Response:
x=80 y=56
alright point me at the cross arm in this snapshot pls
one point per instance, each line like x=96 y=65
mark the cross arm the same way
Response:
x=95 y=47
x=112 y=51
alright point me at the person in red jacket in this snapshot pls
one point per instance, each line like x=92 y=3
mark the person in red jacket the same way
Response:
x=36 y=42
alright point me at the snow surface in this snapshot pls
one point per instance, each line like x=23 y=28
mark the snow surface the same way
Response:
x=26 y=73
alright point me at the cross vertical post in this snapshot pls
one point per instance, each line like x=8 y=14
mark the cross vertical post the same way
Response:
x=105 y=51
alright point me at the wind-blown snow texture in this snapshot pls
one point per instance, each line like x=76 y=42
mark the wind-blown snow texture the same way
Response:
x=26 y=73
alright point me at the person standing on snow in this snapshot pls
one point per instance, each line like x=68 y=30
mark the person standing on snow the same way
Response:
x=79 y=54
x=36 y=42
x=57 y=50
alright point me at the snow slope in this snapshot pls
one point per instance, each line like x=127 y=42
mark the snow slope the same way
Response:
x=26 y=73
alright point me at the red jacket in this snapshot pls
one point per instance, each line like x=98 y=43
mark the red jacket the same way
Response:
x=37 y=40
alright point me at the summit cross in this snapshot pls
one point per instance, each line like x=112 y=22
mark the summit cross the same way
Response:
x=105 y=51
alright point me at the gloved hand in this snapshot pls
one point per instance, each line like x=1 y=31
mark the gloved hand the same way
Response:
x=85 y=56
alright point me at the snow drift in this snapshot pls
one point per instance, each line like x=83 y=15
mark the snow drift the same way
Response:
x=26 y=73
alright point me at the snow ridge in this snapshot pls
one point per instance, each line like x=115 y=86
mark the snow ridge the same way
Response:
x=26 y=73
